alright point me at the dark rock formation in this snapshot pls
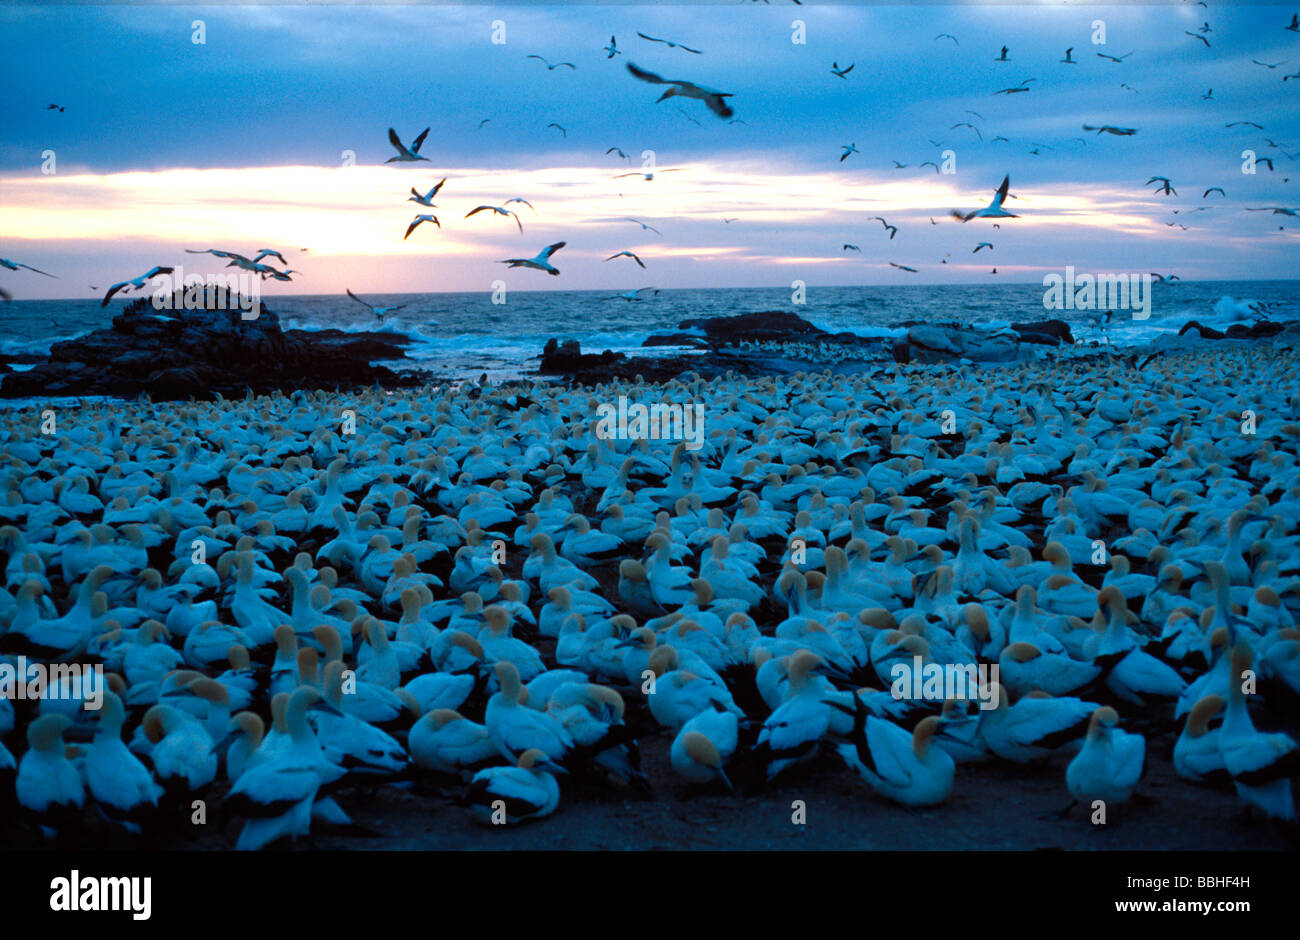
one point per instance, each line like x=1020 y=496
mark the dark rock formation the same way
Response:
x=771 y=325
x=1205 y=332
x=178 y=354
x=1052 y=332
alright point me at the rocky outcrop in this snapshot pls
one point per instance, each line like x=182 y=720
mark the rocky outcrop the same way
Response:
x=179 y=354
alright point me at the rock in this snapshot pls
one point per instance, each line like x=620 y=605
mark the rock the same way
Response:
x=179 y=353
x=1254 y=330
x=1051 y=332
x=1206 y=332
x=902 y=351
x=771 y=325
x=568 y=358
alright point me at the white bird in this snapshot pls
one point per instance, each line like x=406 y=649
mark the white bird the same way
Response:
x=445 y=741
x=379 y=312
x=499 y=211
x=48 y=784
x=525 y=791
x=704 y=745
x=993 y=210
x=1109 y=764
x=515 y=728
x=15 y=265
x=793 y=732
x=405 y=155
x=123 y=789
x=647 y=175
x=644 y=226
x=1260 y=764
x=910 y=769
x=626 y=254
x=275 y=796
x=426 y=199
x=540 y=263
x=416 y=222
x=1198 y=752
x=714 y=99
x=549 y=66
x=134 y=283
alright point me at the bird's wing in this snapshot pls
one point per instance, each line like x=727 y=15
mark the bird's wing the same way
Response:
x=479 y=209
x=37 y=270
x=358 y=299
x=411 y=228
x=415 y=147
x=636 y=259
x=111 y=291
x=438 y=187
x=645 y=76
x=1002 y=190
x=719 y=106
x=396 y=141
x=697 y=51
x=552 y=249
x=517 y=222
x=651 y=38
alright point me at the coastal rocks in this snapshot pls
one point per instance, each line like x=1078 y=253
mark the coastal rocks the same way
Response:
x=567 y=358
x=204 y=353
x=1260 y=330
x=1205 y=332
x=1049 y=332
x=768 y=326
x=775 y=342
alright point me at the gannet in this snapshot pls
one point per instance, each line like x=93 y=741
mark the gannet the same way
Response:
x=379 y=312
x=549 y=66
x=15 y=265
x=626 y=254
x=427 y=198
x=403 y=154
x=993 y=210
x=134 y=283
x=499 y=211
x=715 y=100
x=415 y=223
x=525 y=791
x=539 y=263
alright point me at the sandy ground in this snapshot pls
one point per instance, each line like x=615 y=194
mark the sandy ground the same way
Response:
x=993 y=807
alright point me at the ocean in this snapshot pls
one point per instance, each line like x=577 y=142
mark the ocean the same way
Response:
x=464 y=334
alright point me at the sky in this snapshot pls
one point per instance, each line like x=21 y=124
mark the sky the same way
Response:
x=272 y=133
